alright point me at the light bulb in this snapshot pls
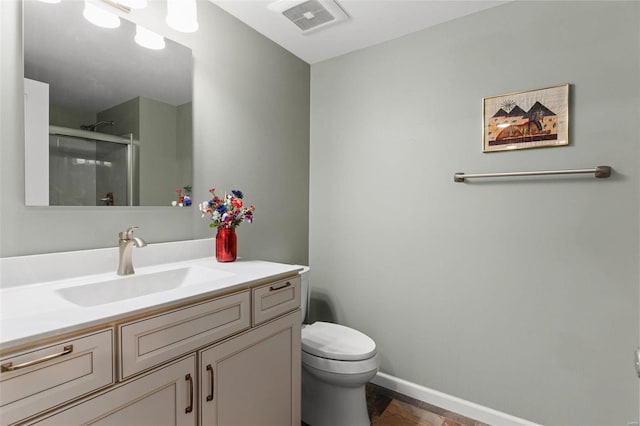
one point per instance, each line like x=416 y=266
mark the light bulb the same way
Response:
x=99 y=16
x=182 y=15
x=149 y=39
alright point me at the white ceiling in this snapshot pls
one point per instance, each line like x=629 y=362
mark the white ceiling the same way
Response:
x=370 y=22
x=53 y=45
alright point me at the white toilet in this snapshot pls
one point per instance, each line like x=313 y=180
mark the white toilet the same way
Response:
x=337 y=363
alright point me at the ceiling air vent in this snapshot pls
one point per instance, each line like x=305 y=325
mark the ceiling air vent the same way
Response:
x=310 y=15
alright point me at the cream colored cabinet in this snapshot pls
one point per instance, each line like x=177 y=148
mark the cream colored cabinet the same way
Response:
x=246 y=345
x=164 y=397
x=253 y=379
x=38 y=379
x=274 y=299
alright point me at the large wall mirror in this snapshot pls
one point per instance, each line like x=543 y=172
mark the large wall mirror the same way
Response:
x=108 y=122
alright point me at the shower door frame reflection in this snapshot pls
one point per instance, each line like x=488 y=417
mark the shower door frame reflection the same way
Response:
x=97 y=137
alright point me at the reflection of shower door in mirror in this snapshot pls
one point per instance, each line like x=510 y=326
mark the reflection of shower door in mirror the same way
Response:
x=84 y=172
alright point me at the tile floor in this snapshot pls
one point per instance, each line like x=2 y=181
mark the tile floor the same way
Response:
x=389 y=408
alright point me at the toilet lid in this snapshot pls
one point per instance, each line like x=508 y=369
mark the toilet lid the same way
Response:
x=334 y=341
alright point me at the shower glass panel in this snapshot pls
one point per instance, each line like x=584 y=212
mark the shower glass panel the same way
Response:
x=84 y=172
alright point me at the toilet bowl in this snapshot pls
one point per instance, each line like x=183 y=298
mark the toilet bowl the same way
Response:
x=337 y=363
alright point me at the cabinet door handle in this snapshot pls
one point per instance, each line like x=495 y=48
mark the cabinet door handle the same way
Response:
x=274 y=288
x=189 y=379
x=210 y=370
x=10 y=367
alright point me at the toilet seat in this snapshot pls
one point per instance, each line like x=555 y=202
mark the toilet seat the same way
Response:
x=340 y=367
x=336 y=342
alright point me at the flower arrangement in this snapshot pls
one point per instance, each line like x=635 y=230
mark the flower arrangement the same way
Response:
x=184 y=197
x=228 y=211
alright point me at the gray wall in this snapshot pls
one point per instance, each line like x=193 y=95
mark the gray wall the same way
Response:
x=184 y=144
x=158 y=161
x=125 y=117
x=66 y=117
x=251 y=132
x=520 y=294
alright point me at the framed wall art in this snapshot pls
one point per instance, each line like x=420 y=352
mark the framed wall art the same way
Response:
x=530 y=119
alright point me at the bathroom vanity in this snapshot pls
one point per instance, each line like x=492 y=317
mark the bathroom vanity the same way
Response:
x=167 y=346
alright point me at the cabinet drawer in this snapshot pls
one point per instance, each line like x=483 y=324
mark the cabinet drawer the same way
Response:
x=275 y=299
x=50 y=375
x=154 y=340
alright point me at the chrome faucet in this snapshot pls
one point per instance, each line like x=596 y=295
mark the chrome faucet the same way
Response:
x=126 y=243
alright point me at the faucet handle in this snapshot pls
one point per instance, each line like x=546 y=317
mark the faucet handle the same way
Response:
x=127 y=234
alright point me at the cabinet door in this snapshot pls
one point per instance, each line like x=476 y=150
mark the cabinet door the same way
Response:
x=164 y=397
x=253 y=379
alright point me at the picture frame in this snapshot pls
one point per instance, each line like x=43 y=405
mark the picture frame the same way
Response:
x=528 y=119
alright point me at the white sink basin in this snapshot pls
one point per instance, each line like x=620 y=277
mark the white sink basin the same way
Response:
x=132 y=286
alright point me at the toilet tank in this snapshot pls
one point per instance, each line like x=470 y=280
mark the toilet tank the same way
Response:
x=304 y=294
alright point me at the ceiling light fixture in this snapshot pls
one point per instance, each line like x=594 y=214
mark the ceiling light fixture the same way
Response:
x=51 y=1
x=94 y=13
x=133 y=4
x=182 y=15
x=149 y=39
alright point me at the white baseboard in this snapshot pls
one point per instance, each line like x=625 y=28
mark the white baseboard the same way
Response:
x=448 y=402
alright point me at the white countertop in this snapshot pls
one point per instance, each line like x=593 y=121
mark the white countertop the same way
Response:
x=33 y=311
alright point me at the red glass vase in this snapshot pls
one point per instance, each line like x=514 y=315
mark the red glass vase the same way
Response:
x=226 y=245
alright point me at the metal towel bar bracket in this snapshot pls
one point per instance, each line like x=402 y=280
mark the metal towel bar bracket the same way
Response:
x=599 y=172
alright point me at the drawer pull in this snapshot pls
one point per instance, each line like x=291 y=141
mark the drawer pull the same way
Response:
x=274 y=288
x=10 y=367
x=190 y=406
x=210 y=370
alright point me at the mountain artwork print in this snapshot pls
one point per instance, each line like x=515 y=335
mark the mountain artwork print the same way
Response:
x=530 y=119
